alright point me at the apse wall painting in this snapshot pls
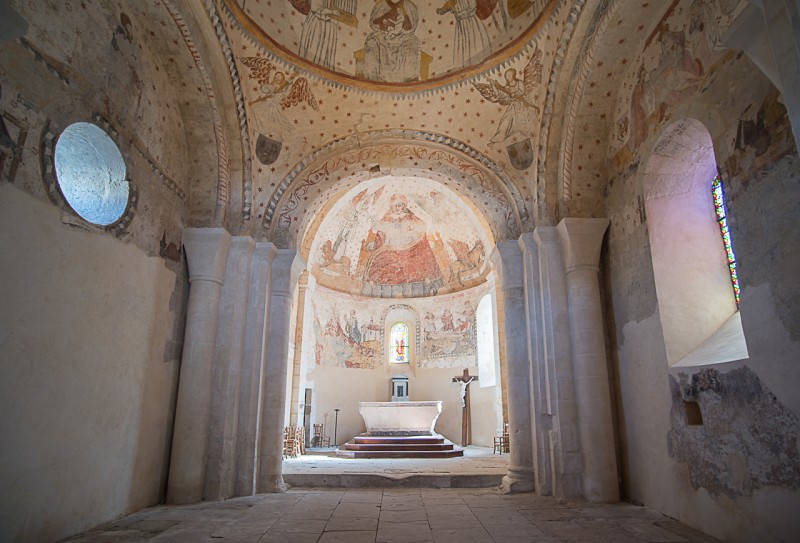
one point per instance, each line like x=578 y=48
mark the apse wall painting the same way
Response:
x=448 y=333
x=393 y=41
x=346 y=335
x=347 y=330
x=387 y=244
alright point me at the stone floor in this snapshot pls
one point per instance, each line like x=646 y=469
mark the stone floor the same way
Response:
x=479 y=467
x=394 y=516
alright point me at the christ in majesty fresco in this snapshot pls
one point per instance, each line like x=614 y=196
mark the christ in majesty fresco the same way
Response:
x=400 y=252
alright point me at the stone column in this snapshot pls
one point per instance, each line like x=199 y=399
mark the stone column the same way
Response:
x=507 y=260
x=581 y=240
x=223 y=426
x=556 y=367
x=294 y=405
x=541 y=419
x=207 y=253
x=286 y=268
x=253 y=367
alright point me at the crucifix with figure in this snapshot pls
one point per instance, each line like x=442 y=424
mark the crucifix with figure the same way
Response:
x=466 y=427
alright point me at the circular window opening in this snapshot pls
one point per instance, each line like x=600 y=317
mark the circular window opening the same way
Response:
x=91 y=173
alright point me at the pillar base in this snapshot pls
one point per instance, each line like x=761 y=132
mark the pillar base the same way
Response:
x=276 y=486
x=517 y=481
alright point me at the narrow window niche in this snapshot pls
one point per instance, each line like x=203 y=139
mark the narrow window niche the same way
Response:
x=694 y=417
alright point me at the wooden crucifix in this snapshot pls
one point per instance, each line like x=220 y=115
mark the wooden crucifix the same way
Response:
x=466 y=427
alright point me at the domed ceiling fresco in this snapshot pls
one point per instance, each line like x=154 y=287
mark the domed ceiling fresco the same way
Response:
x=382 y=43
x=396 y=237
x=507 y=84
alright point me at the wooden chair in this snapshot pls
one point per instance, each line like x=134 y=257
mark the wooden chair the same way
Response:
x=319 y=439
x=292 y=441
x=501 y=442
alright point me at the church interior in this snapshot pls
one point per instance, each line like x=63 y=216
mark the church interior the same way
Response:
x=222 y=218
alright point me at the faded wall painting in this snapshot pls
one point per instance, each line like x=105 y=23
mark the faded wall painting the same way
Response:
x=386 y=244
x=352 y=331
x=346 y=334
x=449 y=337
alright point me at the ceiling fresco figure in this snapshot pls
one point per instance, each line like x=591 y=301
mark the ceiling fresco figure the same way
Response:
x=398 y=250
x=278 y=92
x=471 y=37
x=321 y=28
x=391 y=51
x=519 y=95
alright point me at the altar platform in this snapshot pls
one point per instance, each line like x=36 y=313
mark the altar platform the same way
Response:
x=478 y=468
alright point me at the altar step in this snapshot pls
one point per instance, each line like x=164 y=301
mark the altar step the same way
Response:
x=365 y=446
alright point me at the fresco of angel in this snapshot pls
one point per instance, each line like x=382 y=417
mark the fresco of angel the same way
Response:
x=519 y=96
x=279 y=91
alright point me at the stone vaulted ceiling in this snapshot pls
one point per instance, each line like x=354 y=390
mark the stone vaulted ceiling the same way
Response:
x=523 y=106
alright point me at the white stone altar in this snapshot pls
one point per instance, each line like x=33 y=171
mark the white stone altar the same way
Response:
x=400 y=418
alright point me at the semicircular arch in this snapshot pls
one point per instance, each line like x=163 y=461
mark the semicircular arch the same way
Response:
x=341 y=165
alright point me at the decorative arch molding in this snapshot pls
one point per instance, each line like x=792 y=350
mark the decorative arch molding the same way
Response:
x=580 y=74
x=244 y=132
x=363 y=156
x=223 y=187
x=552 y=84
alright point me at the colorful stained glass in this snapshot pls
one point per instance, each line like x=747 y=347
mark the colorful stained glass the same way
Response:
x=722 y=219
x=399 y=338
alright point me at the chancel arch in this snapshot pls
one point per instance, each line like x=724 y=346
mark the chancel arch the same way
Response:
x=396 y=248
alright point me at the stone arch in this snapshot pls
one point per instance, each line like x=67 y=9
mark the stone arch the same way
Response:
x=697 y=308
x=331 y=171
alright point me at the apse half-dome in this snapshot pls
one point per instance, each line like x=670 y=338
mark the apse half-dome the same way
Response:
x=391 y=44
x=394 y=237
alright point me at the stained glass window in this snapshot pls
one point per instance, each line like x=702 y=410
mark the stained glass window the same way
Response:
x=722 y=219
x=399 y=338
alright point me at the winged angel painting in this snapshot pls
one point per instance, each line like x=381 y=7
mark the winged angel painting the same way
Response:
x=519 y=96
x=279 y=91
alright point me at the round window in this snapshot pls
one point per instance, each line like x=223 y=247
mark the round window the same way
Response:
x=91 y=173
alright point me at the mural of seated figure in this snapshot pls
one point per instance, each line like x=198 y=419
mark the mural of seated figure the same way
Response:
x=391 y=50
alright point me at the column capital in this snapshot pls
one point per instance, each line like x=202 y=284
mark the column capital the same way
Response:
x=581 y=240
x=286 y=268
x=545 y=234
x=507 y=260
x=265 y=249
x=207 y=253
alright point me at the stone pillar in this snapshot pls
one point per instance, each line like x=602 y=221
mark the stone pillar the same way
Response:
x=253 y=367
x=294 y=405
x=581 y=240
x=507 y=260
x=286 y=268
x=207 y=253
x=223 y=427
x=541 y=417
x=560 y=406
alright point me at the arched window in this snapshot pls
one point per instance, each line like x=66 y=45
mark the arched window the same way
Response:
x=399 y=339
x=722 y=219
x=699 y=318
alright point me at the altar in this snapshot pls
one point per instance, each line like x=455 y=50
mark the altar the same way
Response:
x=400 y=418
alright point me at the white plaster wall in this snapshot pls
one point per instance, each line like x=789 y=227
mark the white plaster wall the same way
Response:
x=343 y=388
x=85 y=396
